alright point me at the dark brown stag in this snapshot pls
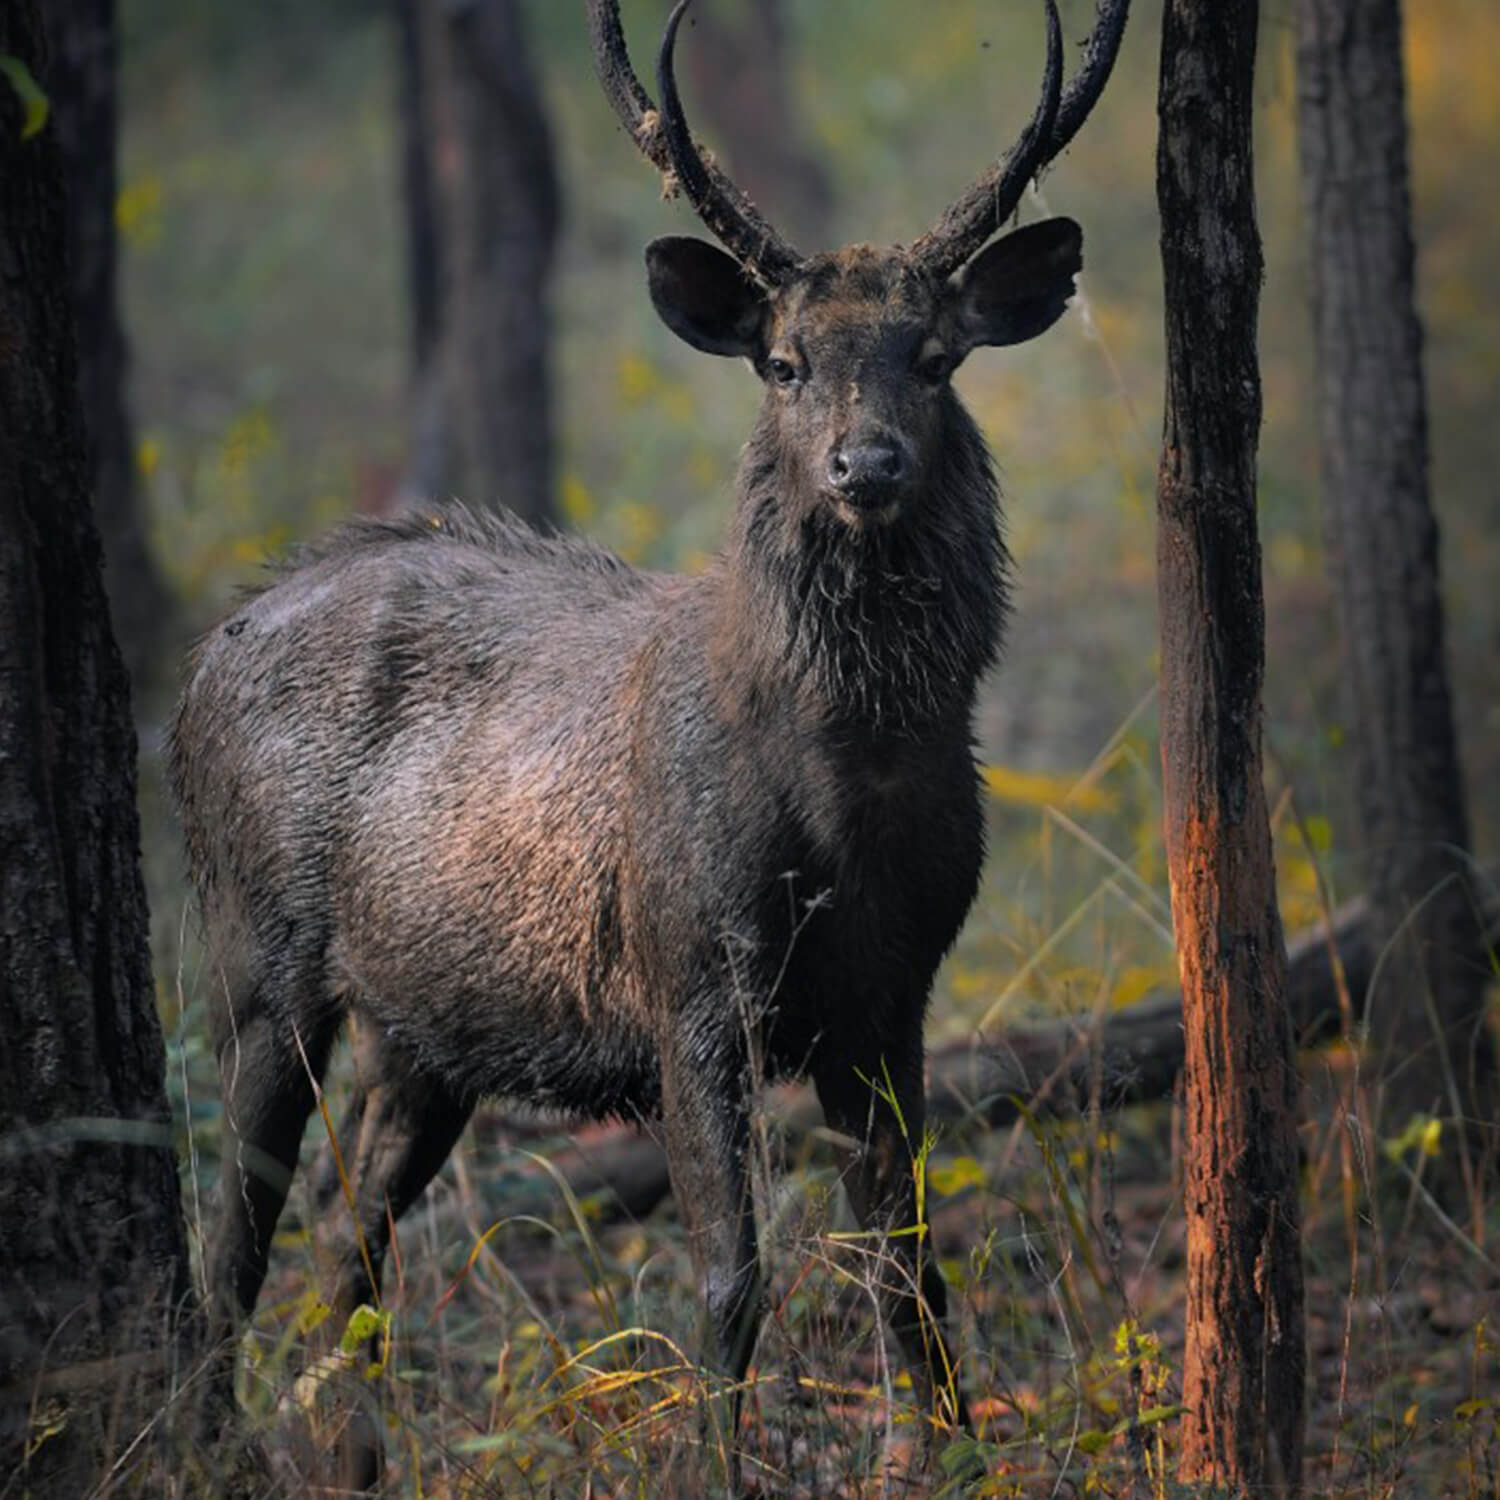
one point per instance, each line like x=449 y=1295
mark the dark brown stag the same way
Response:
x=617 y=843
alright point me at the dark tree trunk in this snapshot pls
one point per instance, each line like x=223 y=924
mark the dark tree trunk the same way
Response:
x=490 y=156
x=1427 y=1017
x=1245 y=1360
x=742 y=88
x=83 y=94
x=418 y=192
x=93 y=1262
x=426 y=470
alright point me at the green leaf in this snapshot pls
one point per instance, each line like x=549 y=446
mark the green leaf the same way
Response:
x=33 y=100
x=968 y=1458
x=312 y=1312
x=364 y=1323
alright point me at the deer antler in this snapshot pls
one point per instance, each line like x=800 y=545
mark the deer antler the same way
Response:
x=978 y=214
x=665 y=140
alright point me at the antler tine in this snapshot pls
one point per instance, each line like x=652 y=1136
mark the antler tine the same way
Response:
x=719 y=203
x=980 y=212
x=735 y=219
x=1083 y=92
x=621 y=87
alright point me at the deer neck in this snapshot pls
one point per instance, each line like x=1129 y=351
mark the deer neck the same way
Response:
x=886 y=629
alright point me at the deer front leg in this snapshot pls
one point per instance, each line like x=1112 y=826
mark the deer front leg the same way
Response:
x=706 y=1118
x=881 y=1106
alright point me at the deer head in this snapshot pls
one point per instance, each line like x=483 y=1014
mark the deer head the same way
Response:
x=856 y=347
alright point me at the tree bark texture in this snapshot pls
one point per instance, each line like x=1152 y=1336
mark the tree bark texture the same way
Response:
x=426 y=467
x=1245 y=1361
x=93 y=1261
x=492 y=160
x=1427 y=1015
x=83 y=94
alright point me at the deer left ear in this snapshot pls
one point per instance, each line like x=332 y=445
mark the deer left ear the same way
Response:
x=704 y=296
x=1018 y=287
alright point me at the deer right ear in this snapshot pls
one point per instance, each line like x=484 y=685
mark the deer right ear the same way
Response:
x=704 y=297
x=1019 y=286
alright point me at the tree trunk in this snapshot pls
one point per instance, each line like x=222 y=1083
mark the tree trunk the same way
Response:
x=426 y=469
x=490 y=153
x=1245 y=1360
x=93 y=1263
x=83 y=94
x=1427 y=1016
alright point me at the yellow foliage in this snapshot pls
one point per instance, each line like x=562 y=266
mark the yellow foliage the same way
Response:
x=138 y=211
x=248 y=437
x=249 y=550
x=1300 y=849
x=1037 y=789
x=641 y=383
x=1291 y=556
x=965 y=982
x=639 y=525
x=962 y=1172
x=1423 y=1134
x=577 y=504
x=1140 y=980
x=637 y=378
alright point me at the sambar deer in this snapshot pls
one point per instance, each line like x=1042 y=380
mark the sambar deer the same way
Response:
x=614 y=842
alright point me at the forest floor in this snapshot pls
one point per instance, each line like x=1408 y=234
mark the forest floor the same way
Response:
x=536 y=1347
x=538 y=1350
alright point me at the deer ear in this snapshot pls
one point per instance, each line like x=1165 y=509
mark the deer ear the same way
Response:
x=704 y=297
x=1018 y=287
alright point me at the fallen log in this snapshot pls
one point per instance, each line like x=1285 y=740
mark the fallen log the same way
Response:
x=1121 y=1057
x=1117 y=1057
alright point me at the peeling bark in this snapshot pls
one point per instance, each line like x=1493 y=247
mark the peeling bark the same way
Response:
x=1245 y=1360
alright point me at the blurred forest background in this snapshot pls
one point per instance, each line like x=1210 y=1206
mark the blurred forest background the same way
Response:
x=264 y=290
x=265 y=298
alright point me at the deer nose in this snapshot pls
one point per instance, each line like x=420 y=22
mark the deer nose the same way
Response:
x=872 y=464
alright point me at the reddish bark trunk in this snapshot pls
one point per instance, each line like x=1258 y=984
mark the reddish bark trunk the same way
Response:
x=1245 y=1360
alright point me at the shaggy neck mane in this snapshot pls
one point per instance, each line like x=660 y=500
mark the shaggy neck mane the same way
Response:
x=888 y=627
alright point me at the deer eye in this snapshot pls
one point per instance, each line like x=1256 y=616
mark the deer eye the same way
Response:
x=933 y=368
x=782 y=371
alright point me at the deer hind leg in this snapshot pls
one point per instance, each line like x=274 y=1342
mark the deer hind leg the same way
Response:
x=882 y=1190
x=266 y=1082
x=408 y=1125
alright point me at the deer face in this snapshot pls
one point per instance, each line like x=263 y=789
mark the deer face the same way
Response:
x=856 y=349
